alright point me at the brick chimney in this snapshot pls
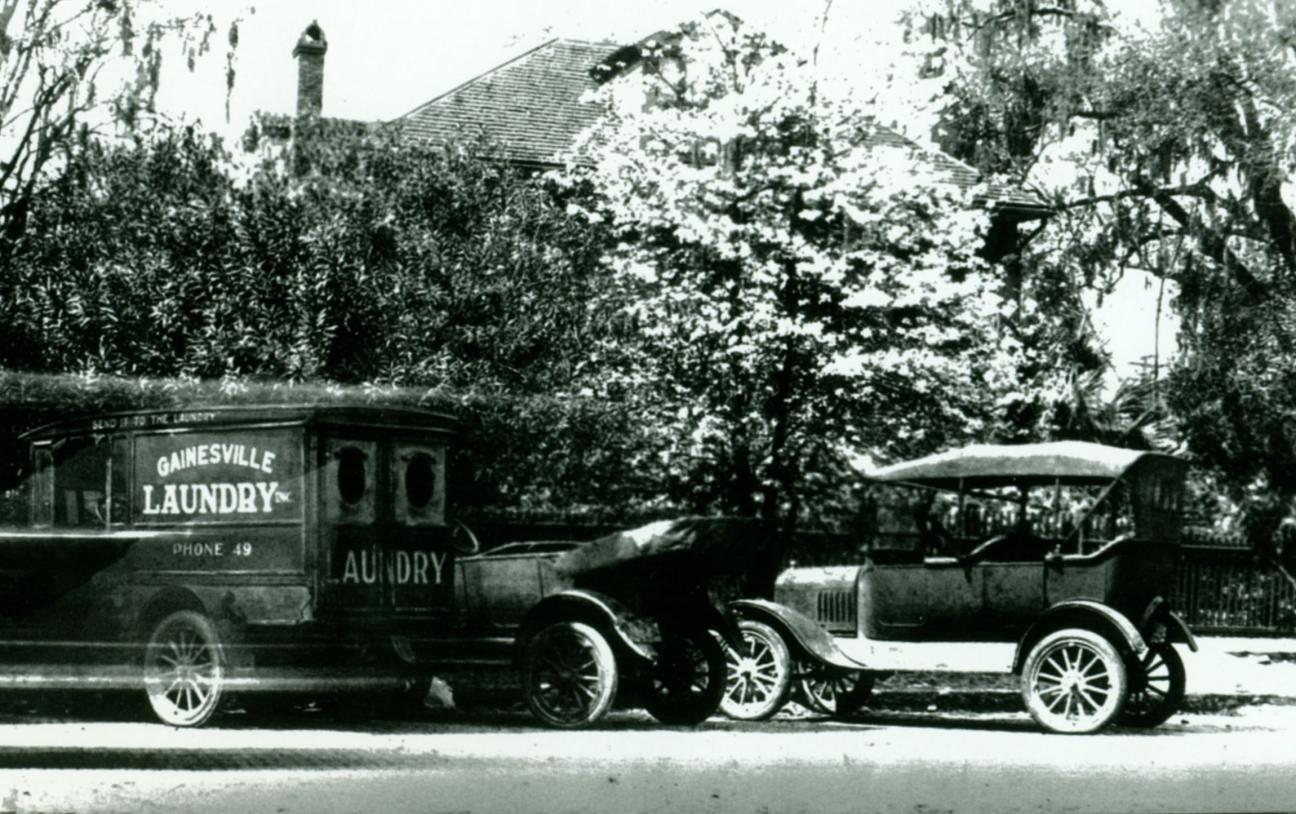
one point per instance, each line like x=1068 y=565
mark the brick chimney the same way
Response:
x=309 y=53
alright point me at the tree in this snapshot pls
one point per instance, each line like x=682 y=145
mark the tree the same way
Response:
x=1167 y=145
x=802 y=294
x=72 y=68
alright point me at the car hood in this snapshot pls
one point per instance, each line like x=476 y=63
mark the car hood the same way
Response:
x=697 y=546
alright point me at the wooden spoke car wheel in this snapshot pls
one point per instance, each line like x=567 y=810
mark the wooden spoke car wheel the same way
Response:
x=1074 y=681
x=687 y=682
x=184 y=669
x=835 y=692
x=757 y=681
x=1157 y=691
x=569 y=675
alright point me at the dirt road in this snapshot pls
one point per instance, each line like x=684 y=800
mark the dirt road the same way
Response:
x=498 y=761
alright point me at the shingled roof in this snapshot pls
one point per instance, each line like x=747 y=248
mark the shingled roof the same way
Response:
x=530 y=106
x=531 y=109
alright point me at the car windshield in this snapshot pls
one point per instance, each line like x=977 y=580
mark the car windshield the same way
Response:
x=924 y=521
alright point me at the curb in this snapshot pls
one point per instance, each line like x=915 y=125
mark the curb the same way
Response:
x=1001 y=700
x=923 y=699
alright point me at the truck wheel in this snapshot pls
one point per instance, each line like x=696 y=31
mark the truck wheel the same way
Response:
x=569 y=675
x=1074 y=681
x=1157 y=691
x=184 y=669
x=688 y=679
x=757 y=681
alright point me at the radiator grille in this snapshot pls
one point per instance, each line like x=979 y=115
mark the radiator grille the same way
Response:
x=836 y=609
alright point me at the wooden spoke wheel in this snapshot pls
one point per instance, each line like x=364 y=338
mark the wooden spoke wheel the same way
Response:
x=758 y=680
x=838 y=693
x=184 y=669
x=1157 y=690
x=687 y=681
x=1074 y=681
x=569 y=675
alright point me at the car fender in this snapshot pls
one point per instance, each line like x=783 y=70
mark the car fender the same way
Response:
x=798 y=629
x=627 y=630
x=1082 y=613
x=1158 y=613
x=1188 y=637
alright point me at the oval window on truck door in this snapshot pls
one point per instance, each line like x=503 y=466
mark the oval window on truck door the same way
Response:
x=420 y=480
x=347 y=484
x=418 y=484
x=351 y=478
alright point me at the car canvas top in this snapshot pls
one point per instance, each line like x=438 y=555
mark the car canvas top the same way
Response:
x=1071 y=462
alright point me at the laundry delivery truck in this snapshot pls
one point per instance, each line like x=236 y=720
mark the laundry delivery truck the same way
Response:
x=189 y=553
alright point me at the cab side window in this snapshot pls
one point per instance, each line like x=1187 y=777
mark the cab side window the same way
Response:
x=418 y=485
x=89 y=482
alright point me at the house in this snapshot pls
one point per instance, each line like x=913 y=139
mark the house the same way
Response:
x=533 y=107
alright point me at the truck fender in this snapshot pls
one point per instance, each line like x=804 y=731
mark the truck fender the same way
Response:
x=1084 y=613
x=627 y=630
x=798 y=629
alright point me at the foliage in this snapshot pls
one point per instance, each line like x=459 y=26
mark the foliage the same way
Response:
x=416 y=265
x=72 y=68
x=392 y=270
x=802 y=291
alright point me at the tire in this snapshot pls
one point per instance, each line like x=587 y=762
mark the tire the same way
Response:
x=1157 y=690
x=184 y=669
x=1074 y=681
x=569 y=675
x=838 y=693
x=687 y=682
x=757 y=682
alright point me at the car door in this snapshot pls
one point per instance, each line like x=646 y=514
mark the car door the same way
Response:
x=930 y=600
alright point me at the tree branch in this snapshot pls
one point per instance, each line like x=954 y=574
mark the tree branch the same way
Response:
x=1211 y=244
x=1198 y=189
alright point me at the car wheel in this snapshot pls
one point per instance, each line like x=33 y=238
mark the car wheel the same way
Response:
x=1074 y=681
x=687 y=681
x=757 y=682
x=838 y=693
x=1157 y=690
x=184 y=669
x=569 y=675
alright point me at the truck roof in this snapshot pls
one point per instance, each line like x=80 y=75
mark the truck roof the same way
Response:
x=216 y=416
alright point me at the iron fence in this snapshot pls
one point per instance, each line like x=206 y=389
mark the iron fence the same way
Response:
x=1226 y=589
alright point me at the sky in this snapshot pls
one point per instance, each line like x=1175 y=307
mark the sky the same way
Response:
x=386 y=57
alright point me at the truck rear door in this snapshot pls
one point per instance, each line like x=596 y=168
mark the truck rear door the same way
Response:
x=382 y=526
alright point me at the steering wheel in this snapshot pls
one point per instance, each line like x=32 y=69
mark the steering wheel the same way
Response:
x=103 y=509
x=463 y=541
x=978 y=552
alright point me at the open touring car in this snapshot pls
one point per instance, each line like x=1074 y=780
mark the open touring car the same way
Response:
x=1052 y=561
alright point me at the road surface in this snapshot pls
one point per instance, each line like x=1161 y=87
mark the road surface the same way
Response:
x=309 y=761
